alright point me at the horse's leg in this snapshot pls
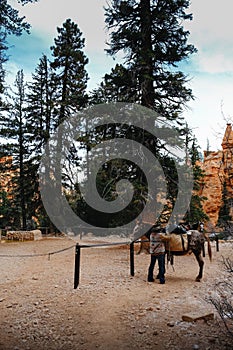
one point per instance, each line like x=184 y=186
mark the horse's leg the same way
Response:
x=171 y=259
x=203 y=249
x=200 y=263
x=217 y=243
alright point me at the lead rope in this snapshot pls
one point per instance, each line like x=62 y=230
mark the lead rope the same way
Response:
x=170 y=257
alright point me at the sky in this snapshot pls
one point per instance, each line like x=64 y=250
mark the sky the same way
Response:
x=210 y=70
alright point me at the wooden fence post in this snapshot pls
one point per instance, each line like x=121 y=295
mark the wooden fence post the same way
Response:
x=217 y=243
x=132 y=259
x=77 y=266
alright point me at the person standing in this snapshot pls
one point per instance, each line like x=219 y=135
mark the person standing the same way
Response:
x=157 y=251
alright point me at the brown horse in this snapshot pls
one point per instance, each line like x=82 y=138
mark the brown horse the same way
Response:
x=181 y=242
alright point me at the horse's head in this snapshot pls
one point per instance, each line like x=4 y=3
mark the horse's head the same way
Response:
x=198 y=226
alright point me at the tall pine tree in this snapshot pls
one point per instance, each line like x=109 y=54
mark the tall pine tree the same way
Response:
x=3 y=59
x=58 y=91
x=224 y=217
x=13 y=128
x=118 y=86
x=39 y=127
x=40 y=105
x=151 y=37
x=196 y=212
x=154 y=42
x=70 y=76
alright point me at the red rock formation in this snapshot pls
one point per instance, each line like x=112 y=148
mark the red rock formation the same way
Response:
x=218 y=167
x=6 y=174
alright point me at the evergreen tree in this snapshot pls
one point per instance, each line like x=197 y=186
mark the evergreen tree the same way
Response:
x=40 y=106
x=224 y=217
x=153 y=42
x=118 y=86
x=195 y=212
x=150 y=34
x=39 y=127
x=10 y=22
x=57 y=91
x=3 y=59
x=70 y=76
x=13 y=128
x=5 y=209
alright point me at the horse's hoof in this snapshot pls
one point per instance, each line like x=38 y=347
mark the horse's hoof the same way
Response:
x=198 y=279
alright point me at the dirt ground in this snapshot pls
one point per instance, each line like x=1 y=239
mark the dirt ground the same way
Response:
x=40 y=309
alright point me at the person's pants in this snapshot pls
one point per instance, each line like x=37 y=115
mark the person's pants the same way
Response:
x=161 y=262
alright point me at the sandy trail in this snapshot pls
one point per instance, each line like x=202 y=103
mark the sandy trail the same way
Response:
x=40 y=309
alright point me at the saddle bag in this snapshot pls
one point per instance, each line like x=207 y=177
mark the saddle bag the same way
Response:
x=177 y=243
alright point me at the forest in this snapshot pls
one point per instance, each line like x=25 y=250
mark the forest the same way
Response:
x=151 y=37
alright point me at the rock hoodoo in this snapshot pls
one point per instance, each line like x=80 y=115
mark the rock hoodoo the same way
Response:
x=218 y=167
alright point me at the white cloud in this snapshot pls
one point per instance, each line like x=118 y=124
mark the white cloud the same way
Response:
x=212 y=21
x=217 y=61
x=213 y=103
x=211 y=32
x=46 y=15
x=212 y=70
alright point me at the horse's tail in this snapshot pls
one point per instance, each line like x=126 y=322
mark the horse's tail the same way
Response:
x=140 y=248
x=143 y=245
x=209 y=247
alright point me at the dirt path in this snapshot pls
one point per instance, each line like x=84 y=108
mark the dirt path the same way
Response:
x=110 y=309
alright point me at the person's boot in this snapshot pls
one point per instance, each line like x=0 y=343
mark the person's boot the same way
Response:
x=150 y=279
